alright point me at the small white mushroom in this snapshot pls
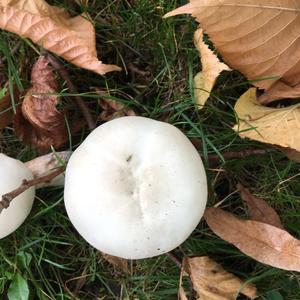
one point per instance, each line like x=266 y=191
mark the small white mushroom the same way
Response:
x=12 y=174
x=43 y=165
x=135 y=188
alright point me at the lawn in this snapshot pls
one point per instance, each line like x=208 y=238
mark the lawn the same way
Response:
x=159 y=61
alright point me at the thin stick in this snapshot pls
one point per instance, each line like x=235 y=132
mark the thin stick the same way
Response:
x=213 y=158
x=78 y=100
x=174 y=259
x=26 y=184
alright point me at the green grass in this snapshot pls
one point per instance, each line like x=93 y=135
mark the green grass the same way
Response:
x=56 y=262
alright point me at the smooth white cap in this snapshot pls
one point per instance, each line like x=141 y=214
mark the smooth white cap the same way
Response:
x=135 y=188
x=12 y=174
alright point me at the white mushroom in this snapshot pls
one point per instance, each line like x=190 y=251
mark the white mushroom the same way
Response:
x=135 y=188
x=43 y=165
x=12 y=174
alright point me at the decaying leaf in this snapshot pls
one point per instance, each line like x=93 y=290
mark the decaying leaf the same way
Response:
x=6 y=111
x=205 y=80
x=265 y=243
x=111 y=109
x=259 y=38
x=259 y=209
x=277 y=126
x=53 y=29
x=39 y=122
x=212 y=282
x=118 y=262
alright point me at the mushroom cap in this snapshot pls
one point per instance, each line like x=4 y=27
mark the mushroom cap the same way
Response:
x=12 y=174
x=135 y=188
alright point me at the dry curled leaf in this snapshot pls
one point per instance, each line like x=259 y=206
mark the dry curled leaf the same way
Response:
x=205 y=80
x=259 y=209
x=52 y=28
x=212 y=282
x=39 y=122
x=277 y=126
x=259 y=38
x=265 y=243
x=118 y=262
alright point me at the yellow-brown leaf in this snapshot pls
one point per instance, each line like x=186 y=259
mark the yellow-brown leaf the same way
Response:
x=265 y=243
x=259 y=38
x=52 y=28
x=277 y=126
x=212 y=282
x=205 y=80
x=259 y=209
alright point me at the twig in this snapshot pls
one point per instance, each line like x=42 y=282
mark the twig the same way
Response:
x=26 y=184
x=213 y=158
x=174 y=259
x=79 y=101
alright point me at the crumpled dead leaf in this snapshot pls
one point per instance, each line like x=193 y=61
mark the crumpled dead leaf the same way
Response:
x=52 y=28
x=205 y=80
x=263 y=242
x=212 y=282
x=38 y=122
x=259 y=209
x=259 y=38
x=118 y=262
x=277 y=126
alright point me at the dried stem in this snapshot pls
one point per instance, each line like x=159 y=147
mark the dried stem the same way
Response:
x=174 y=259
x=78 y=100
x=213 y=158
x=26 y=184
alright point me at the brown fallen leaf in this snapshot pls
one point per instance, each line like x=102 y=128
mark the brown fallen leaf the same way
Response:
x=259 y=209
x=118 y=262
x=52 y=28
x=111 y=108
x=38 y=122
x=259 y=38
x=263 y=242
x=212 y=282
x=205 y=80
x=277 y=126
